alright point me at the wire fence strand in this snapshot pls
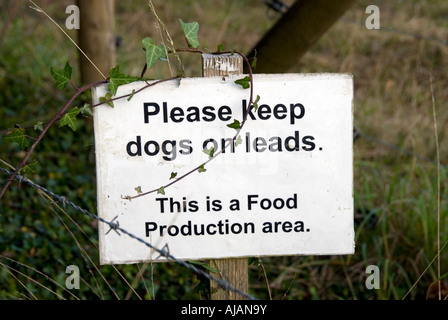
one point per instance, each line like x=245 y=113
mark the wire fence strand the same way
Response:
x=358 y=135
x=115 y=226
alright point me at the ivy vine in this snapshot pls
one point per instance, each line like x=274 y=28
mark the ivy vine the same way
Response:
x=68 y=114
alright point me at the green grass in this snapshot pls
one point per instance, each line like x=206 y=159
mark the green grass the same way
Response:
x=395 y=193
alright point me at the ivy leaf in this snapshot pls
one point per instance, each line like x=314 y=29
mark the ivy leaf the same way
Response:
x=253 y=64
x=138 y=189
x=161 y=190
x=63 y=76
x=69 y=119
x=238 y=141
x=132 y=95
x=17 y=136
x=204 y=265
x=107 y=99
x=153 y=52
x=173 y=175
x=39 y=126
x=255 y=103
x=202 y=169
x=117 y=79
x=244 y=82
x=209 y=152
x=235 y=125
x=86 y=110
x=29 y=168
x=191 y=33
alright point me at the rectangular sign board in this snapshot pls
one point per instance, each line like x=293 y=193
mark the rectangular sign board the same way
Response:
x=283 y=187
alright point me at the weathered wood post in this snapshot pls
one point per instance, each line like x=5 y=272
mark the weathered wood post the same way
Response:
x=232 y=270
x=97 y=38
x=296 y=32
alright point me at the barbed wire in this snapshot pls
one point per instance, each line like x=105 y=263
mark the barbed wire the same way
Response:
x=357 y=134
x=115 y=226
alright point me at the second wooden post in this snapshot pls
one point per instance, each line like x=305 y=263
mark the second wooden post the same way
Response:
x=97 y=38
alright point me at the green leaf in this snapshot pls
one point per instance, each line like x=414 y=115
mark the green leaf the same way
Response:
x=17 y=136
x=173 y=175
x=63 y=76
x=235 y=125
x=191 y=33
x=132 y=95
x=138 y=189
x=204 y=265
x=29 y=168
x=39 y=126
x=117 y=79
x=153 y=52
x=107 y=99
x=86 y=110
x=255 y=104
x=69 y=119
x=254 y=60
x=220 y=48
x=209 y=152
x=238 y=141
x=161 y=190
x=244 y=82
x=202 y=169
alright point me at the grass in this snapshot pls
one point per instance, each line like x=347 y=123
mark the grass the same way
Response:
x=397 y=224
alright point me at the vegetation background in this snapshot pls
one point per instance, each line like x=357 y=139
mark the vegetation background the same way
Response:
x=396 y=176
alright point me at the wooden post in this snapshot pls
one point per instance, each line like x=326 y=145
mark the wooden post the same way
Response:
x=233 y=270
x=96 y=38
x=295 y=33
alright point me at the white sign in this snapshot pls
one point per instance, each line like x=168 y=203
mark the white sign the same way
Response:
x=285 y=189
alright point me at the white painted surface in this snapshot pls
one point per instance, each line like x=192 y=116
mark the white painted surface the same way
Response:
x=321 y=178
